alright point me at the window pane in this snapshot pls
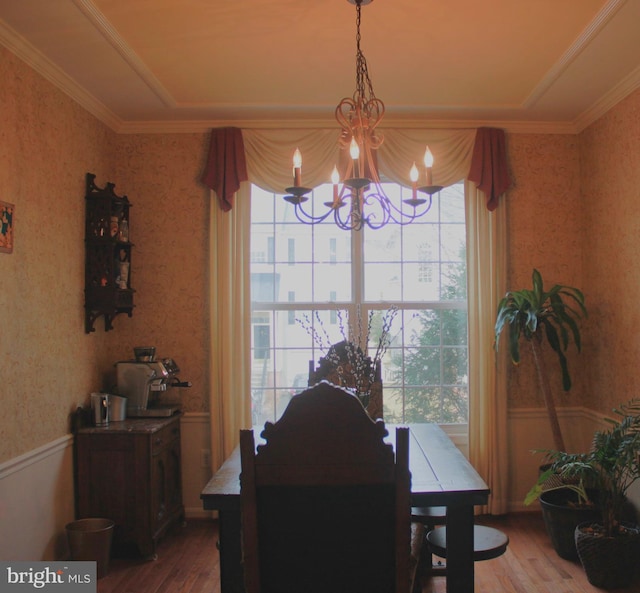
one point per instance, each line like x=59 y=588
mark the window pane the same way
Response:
x=420 y=242
x=383 y=245
x=332 y=282
x=294 y=278
x=383 y=282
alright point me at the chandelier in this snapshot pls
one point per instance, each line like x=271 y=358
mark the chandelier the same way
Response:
x=361 y=200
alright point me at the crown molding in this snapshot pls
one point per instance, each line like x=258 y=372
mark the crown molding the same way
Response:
x=622 y=90
x=97 y=19
x=578 y=46
x=48 y=70
x=191 y=127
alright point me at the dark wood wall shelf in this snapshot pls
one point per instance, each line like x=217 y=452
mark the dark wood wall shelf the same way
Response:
x=107 y=288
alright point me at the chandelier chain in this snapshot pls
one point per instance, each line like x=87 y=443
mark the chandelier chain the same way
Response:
x=362 y=70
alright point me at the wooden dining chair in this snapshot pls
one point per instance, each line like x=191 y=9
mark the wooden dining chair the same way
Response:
x=325 y=502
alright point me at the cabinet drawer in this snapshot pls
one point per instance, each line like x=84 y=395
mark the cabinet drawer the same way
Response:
x=164 y=437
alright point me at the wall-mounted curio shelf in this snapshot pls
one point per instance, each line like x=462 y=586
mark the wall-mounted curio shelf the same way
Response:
x=107 y=285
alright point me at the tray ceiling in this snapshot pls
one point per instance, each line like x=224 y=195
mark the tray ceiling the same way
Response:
x=159 y=65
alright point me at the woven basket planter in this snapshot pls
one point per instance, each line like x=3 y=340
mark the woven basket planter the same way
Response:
x=609 y=562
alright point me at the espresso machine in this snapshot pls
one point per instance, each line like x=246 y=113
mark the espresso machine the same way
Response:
x=145 y=382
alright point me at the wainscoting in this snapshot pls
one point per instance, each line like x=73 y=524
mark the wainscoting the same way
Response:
x=529 y=430
x=37 y=499
x=196 y=447
x=36 y=502
x=37 y=495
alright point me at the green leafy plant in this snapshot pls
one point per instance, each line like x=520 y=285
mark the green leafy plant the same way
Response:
x=542 y=485
x=535 y=315
x=609 y=468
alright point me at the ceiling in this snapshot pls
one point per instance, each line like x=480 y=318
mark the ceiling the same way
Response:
x=186 y=65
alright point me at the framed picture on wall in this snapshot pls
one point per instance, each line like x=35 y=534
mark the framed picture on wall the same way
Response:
x=6 y=227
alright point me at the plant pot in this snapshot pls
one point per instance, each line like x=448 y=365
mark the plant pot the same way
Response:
x=561 y=516
x=609 y=562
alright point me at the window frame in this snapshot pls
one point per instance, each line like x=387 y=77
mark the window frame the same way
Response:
x=357 y=297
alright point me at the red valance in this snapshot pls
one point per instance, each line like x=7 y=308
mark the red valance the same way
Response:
x=489 y=170
x=226 y=166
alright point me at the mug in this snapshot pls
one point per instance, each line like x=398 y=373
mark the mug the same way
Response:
x=100 y=408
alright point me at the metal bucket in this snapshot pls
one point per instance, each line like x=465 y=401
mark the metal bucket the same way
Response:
x=117 y=408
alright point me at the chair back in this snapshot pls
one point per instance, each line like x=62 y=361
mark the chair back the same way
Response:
x=325 y=503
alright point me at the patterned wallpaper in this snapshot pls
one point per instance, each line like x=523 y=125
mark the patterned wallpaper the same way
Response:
x=545 y=231
x=169 y=228
x=574 y=213
x=48 y=365
x=609 y=155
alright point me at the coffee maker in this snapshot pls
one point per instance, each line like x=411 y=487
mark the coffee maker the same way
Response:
x=144 y=381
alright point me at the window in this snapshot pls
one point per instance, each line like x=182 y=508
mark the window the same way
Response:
x=331 y=276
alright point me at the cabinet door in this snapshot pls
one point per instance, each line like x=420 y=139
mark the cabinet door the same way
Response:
x=158 y=490
x=111 y=484
x=173 y=478
x=166 y=478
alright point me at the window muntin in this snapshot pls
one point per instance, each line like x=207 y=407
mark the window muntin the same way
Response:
x=298 y=271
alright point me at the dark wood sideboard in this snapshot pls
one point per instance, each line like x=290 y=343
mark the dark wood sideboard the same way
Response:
x=130 y=472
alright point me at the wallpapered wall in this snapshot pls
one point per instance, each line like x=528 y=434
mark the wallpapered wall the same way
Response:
x=47 y=143
x=545 y=231
x=610 y=162
x=47 y=364
x=169 y=228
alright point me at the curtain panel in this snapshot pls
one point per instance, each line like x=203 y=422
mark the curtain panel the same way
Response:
x=226 y=165
x=478 y=156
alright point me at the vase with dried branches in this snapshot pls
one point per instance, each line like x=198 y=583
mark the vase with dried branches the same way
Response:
x=347 y=363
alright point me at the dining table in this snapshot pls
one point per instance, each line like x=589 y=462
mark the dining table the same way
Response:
x=440 y=476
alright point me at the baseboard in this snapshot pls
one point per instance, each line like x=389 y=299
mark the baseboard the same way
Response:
x=198 y=513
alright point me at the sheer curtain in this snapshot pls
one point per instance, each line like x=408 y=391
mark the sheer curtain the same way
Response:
x=486 y=281
x=230 y=324
x=266 y=150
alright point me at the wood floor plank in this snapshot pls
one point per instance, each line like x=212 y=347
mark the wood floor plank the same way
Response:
x=188 y=563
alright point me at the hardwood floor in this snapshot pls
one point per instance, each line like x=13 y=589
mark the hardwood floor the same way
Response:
x=188 y=563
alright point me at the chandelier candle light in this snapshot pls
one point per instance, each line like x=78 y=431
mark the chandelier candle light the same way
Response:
x=362 y=191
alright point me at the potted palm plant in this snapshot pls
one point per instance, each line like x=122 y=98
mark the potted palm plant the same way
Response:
x=536 y=316
x=608 y=549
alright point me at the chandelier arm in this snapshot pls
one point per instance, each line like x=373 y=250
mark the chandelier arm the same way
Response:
x=396 y=214
x=346 y=224
x=371 y=219
x=304 y=217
